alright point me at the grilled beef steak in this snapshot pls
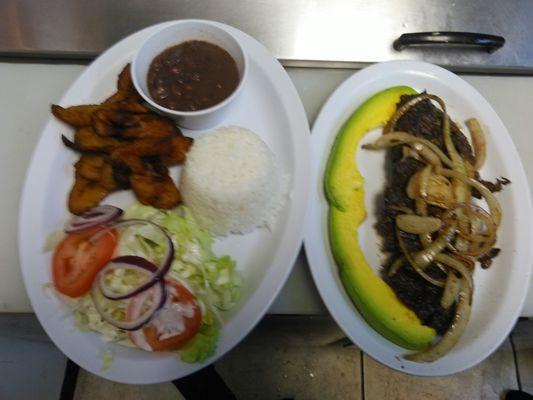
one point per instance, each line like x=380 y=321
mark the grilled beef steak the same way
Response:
x=423 y=120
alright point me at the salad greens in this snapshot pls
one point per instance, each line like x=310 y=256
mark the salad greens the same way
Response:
x=213 y=280
x=107 y=359
x=202 y=345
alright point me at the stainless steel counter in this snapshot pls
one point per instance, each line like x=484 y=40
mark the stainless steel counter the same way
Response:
x=332 y=33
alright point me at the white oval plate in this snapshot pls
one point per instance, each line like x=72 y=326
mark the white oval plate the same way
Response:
x=269 y=105
x=499 y=291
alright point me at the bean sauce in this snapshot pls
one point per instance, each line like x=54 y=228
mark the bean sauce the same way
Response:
x=192 y=76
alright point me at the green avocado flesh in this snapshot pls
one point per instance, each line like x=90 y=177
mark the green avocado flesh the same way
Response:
x=344 y=187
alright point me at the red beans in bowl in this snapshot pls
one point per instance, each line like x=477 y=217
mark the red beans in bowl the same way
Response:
x=192 y=76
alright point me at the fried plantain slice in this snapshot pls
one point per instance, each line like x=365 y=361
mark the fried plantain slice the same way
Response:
x=130 y=155
x=171 y=151
x=123 y=144
x=176 y=150
x=76 y=116
x=155 y=190
x=90 y=167
x=82 y=115
x=86 y=139
x=85 y=195
x=122 y=96
x=139 y=148
x=107 y=178
x=121 y=176
x=133 y=163
x=96 y=168
x=150 y=127
x=125 y=87
x=108 y=122
x=102 y=124
x=124 y=81
x=131 y=107
x=116 y=97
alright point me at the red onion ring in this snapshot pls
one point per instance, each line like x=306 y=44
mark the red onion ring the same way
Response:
x=169 y=255
x=155 y=285
x=127 y=262
x=159 y=296
x=97 y=216
x=137 y=335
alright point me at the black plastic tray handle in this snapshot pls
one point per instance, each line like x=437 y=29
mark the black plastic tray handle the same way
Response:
x=489 y=43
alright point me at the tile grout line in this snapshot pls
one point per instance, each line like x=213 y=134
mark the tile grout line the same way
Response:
x=362 y=362
x=515 y=358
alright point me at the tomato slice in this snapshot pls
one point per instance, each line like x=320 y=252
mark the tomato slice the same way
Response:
x=76 y=260
x=173 y=325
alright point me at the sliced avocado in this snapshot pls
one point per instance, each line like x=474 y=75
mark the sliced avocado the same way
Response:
x=344 y=187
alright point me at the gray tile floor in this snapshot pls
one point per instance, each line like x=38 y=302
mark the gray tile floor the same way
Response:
x=522 y=340
x=293 y=357
x=31 y=367
x=285 y=357
x=92 y=387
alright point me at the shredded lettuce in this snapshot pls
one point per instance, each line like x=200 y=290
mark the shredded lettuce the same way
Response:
x=107 y=360
x=202 y=345
x=214 y=281
x=87 y=318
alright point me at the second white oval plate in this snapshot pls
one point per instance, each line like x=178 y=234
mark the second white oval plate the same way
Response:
x=499 y=292
x=269 y=105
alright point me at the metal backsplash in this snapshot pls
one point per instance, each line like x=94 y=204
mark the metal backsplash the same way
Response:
x=299 y=32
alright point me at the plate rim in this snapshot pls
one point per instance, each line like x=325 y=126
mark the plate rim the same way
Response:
x=313 y=225
x=285 y=256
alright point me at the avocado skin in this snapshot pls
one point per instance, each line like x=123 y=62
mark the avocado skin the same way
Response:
x=344 y=188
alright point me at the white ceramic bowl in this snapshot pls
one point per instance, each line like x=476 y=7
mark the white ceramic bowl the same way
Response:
x=172 y=35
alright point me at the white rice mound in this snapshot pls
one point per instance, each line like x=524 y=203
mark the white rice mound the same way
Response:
x=232 y=182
